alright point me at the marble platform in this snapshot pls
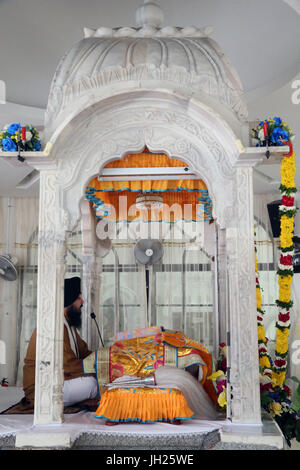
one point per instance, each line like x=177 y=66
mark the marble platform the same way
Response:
x=83 y=431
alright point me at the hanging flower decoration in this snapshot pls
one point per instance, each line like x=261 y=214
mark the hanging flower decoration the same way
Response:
x=278 y=402
x=275 y=394
x=287 y=211
x=265 y=362
x=15 y=137
x=272 y=132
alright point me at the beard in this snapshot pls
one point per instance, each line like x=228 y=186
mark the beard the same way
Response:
x=74 y=316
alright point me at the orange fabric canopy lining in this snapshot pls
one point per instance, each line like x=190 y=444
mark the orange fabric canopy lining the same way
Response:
x=115 y=200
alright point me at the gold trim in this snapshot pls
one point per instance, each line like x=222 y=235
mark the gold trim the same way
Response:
x=102 y=366
x=89 y=366
x=170 y=356
x=185 y=361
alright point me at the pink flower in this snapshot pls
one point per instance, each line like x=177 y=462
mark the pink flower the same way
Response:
x=117 y=370
x=267 y=386
x=221 y=385
x=157 y=364
x=116 y=348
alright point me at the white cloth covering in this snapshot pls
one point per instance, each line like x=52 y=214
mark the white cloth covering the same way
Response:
x=78 y=423
x=196 y=397
x=79 y=389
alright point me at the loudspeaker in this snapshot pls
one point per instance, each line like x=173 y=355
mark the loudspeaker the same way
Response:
x=296 y=258
x=273 y=209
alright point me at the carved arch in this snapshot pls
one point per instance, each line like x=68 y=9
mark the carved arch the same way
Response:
x=107 y=131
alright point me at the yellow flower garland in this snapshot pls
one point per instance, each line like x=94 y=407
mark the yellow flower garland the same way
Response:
x=264 y=359
x=288 y=171
x=286 y=231
x=285 y=271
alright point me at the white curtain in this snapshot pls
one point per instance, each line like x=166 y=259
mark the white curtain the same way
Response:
x=19 y=217
x=267 y=265
x=27 y=287
x=180 y=290
x=175 y=292
x=122 y=292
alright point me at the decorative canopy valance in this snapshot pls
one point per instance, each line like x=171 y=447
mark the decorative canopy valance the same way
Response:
x=186 y=199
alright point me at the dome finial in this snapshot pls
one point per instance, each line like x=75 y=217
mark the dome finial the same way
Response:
x=149 y=14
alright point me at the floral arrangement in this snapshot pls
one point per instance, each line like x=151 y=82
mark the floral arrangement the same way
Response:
x=264 y=358
x=275 y=394
x=219 y=377
x=15 y=137
x=276 y=400
x=287 y=211
x=275 y=397
x=278 y=403
x=272 y=132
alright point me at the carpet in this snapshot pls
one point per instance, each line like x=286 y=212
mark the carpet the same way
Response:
x=25 y=407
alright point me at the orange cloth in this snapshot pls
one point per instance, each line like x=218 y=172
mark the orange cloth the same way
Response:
x=120 y=196
x=187 y=346
x=145 y=405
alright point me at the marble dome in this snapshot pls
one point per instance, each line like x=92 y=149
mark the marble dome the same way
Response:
x=149 y=56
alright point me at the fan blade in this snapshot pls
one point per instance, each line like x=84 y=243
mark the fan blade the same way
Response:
x=148 y=251
x=7 y=269
x=141 y=255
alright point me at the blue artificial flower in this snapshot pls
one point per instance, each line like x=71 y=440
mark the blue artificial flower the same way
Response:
x=261 y=123
x=9 y=145
x=37 y=146
x=274 y=395
x=13 y=128
x=278 y=121
x=279 y=135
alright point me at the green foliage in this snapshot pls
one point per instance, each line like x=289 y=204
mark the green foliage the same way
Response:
x=287 y=411
x=296 y=403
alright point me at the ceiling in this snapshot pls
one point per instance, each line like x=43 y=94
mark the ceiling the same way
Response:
x=35 y=34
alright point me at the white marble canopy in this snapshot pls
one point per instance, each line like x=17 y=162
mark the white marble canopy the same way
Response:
x=116 y=92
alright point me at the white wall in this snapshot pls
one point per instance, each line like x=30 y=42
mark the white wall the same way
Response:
x=279 y=103
x=19 y=219
x=11 y=112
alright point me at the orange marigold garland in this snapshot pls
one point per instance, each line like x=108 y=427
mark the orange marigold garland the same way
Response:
x=287 y=211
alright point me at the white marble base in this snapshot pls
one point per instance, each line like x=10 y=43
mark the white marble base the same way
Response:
x=43 y=439
x=267 y=434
